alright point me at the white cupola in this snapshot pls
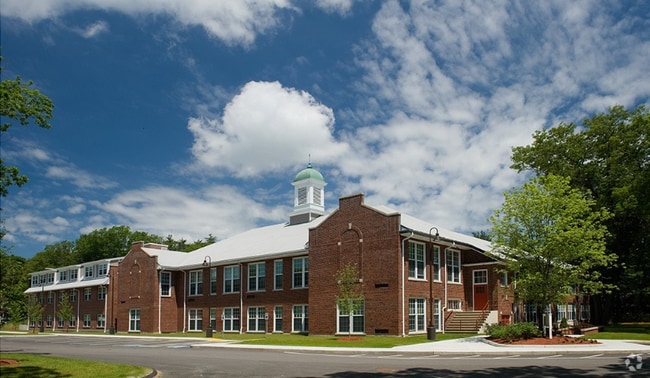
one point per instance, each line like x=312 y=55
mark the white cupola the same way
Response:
x=309 y=196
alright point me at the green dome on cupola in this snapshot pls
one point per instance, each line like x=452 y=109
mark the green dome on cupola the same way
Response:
x=309 y=173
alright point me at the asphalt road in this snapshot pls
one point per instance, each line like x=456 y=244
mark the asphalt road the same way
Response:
x=173 y=357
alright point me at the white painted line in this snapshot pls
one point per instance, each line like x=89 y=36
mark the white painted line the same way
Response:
x=553 y=356
x=594 y=356
x=506 y=357
x=472 y=356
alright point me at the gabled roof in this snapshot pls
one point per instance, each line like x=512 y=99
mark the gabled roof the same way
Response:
x=275 y=240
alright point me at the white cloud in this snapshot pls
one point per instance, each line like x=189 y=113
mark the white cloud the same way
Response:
x=341 y=7
x=233 y=22
x=218 y=210
x=94 y=29
x=264 y=129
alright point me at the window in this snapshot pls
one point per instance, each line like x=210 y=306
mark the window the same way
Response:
x=257 y=277
x=416 y=260
x=48 y=322
x=230 y=319
x=436 y=313
x=73 y=274
x=530 y=313
x=50 y=278
x=256 y=319
x=101 y=320
x=300 y=272
x=560 y=312
x=86 y=320
x=165 y=283
x=503 y=278
x=87 y=294
x=61 y=322
x=213 y=281
x=73 y=321
x=480 y=277
x=571 y=312
x=300 y=318
x=196 y=282
x=453 y=266
x=134 y=320
x=101 y=293
x=436 y=263
x=73 y=295
x=88 y=272
x=454 y=304
x=213 y=318
x=416 y=315
x=195 y=319
x=354 y=321
x=50 y=297
x=277 y=319
x=584 y=312
x=278 y=275
x=231 y=279
x=63 y=276
x=102 y=269
x=40 y=298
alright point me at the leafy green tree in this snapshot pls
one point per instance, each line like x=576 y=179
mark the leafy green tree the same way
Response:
x=550 y=236
x=13 y=283
x=350 y=298
x=608 y=157
x=52 y=256
x=109 y=242
x=20 y=103
x=64 y=309
x=34 y=309
x=483 y=234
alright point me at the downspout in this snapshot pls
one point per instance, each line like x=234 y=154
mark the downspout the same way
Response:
x=241 y=300
x=184 y=299
x=106 y=306
x=54 y=312
x=403 y=283
x=159 y=299
x=444 y=309
x=78 y=305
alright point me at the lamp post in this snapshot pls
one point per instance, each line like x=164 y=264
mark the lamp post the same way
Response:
x=207 y=261
x=111 y=330
x=431 y=330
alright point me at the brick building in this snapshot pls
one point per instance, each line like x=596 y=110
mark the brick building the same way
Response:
x=280 y=278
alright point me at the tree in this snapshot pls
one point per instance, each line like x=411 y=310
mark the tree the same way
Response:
x=109 y=242
x=34 y=309
x=608 y=158
x=549 y=235
x=13 y=283
x=64 y=310
x=52 y=256
x=23 y=104
x=350 y=299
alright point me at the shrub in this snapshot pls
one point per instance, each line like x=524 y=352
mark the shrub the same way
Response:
x=512 y=332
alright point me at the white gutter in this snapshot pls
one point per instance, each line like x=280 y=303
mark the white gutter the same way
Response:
x=159 y=299
x=184 y=300
x=403 y=283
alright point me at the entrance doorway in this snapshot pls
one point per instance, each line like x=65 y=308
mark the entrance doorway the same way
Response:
x=480 y=289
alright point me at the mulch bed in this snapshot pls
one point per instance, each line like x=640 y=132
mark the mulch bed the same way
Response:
x=8 y=362
x=556 y=340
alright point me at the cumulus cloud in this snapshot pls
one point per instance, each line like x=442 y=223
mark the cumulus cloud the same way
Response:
x=94 y=29
x=264 y=129
x=341 y=7
x=233 y=22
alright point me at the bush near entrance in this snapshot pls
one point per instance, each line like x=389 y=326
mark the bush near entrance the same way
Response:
x=513 y=332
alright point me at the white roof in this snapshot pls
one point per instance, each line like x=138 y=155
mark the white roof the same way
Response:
x=68 y=285
x=275 y=240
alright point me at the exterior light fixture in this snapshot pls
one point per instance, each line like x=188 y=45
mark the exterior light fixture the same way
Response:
x=431 y=329
x=207 y=261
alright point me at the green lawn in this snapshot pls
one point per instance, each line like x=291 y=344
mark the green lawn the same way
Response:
x=623 y=332
x=30 y=365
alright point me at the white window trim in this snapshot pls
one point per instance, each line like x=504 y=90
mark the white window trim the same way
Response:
x=233 y=268
x=418 y=276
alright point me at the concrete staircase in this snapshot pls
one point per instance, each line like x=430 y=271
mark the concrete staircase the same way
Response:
x=466 y=321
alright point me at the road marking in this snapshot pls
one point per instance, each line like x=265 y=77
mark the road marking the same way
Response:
x=505 y=357
x=594 y=356
x=553 y=356
x=472 y=356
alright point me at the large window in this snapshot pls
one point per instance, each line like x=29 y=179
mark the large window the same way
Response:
x=102 y=269
x=101 y=293
x=436 y=263
x=213 y=318
x=50 y=297
x=300 y=272
x=231 y=279
x=86 y=320
x=195 y=319
x=416 y=260
x=530 y=313
x=73 y=321
x=134 y=320
x=196 y=282
x=73 y=295
x=231 y=319
x=48 y=323
x=256 y=276
x=213 y=281
x=101 y=320
x=256 y=319
x=300 y=318
x=453 y=266
x=165 y=283
x=417 y=314
x=88 y=293
x=436 y=313
x=277 y=319
x=354 y=321
x=88 y=272
x=278 y=275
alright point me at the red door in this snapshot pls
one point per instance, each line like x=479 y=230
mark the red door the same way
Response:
x=480 y=290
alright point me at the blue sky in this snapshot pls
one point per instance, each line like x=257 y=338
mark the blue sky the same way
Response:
x=191 y=117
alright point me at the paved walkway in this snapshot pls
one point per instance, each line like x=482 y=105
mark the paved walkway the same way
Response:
x=470 y=345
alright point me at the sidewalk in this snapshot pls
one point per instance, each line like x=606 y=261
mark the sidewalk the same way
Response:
x=471 y=345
